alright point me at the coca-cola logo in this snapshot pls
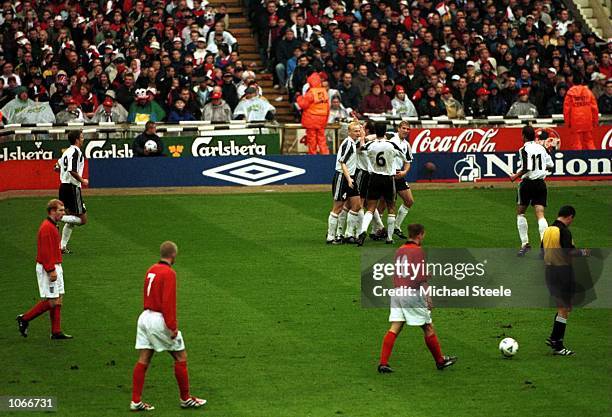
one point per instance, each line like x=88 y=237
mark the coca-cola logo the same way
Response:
x=606 y=142
x=468 y=140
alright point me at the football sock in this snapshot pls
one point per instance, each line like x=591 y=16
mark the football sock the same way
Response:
x=37 y=310
x=352 y=224
x=341 y=223
x=56 y=317
x=401 y=215
x=359 y=219
x=71 y=219
x=390 y=226
x=182 y=378
x=66 y=233
x=558 y=332
x=367 y=218
x=332 y=224
x=434 y=347
x=521 y=224
x=378 y=223
x=387 y=347
x=138 y=379
x=542 y=225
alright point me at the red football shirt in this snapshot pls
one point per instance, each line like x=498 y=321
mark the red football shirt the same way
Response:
x=48 y=242
x=412 y=254
x=160 y=292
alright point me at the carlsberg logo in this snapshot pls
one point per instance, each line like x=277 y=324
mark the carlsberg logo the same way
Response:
x=98 y=149
x=202 y=146
x=19 y=154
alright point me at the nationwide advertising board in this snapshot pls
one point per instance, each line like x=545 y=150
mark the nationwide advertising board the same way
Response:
x=175 y=147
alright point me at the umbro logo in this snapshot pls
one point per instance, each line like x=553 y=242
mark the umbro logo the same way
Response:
x=254 y=171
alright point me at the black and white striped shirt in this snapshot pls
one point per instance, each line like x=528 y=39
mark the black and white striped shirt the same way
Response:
x=71 y=160
x=347 y=154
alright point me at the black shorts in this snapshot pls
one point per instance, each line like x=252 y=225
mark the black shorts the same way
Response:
x=361 y=179
x=341 y=190
x=401 y=185
x=532 y=192
x=71 y=196
x=561 y=284
x=381 y=186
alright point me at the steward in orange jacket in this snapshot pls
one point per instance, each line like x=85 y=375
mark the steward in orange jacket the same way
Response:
x=315 y=112
x=581 y=115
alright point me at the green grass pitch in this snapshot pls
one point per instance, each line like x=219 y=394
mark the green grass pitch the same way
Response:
x=272 y=318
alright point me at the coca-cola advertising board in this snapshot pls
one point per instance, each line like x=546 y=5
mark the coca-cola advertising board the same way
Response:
x=494 y=139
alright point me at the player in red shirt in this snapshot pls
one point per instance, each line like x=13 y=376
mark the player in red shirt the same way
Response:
x=49 y=272
x=412 y=310
x=158 y=330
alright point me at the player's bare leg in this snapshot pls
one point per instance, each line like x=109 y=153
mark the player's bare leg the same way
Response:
x=70 y=222
x=332 y=222
x=138 y=378
x=523 y=230
x=407 y=202
x=431 y=340
x=182 y=379
x=387 y=346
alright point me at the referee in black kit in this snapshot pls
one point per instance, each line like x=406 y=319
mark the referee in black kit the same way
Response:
x=558 y=252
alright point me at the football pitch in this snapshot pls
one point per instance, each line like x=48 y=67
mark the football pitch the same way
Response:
x=272 y=318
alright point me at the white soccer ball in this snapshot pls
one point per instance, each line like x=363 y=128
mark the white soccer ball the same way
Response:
x=508 y=347
x=150 y=146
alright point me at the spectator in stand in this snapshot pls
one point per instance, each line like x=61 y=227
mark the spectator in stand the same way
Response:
x=362 y=81
x=87 y=101
x=229 y=92
x=284 y=52
x=180 y=112
x=337 y=111
x=217 y=111
x=522 y=106
x=431 y=105
x=498 y=106
x=454 y=109
x=598 y=86
x=605 y=101
x=253 y=108
x=109 y=111
x=401 y=104
x=71 y=114
x=581 y=115
x=349 y=93
x=376 y=101
x=480 y=107
x=555 y=104
x=145 y=108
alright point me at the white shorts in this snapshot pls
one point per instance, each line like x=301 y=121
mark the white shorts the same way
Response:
x=412 y=310
x=46 y=287
x=152 y=333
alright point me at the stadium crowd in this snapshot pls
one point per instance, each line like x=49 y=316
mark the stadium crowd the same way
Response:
x=455 y=57
x=128 y=60
x=175 y=60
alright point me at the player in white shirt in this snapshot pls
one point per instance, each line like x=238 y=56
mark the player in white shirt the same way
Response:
x=534 y=164
x=381 y=156
x=402 y=168
x=70 y=166
x=344 y=186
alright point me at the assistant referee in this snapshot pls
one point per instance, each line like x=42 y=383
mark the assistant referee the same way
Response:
x=559 y=249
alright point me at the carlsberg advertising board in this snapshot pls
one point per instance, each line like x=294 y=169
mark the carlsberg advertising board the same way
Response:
x=175 y=147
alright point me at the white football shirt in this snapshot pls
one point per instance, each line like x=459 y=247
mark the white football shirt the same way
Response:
x=71 y=160
x=534 y=159
x=347 y=153
x=381 y=155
